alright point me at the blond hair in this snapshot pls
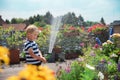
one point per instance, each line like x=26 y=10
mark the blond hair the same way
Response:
x=31 y=29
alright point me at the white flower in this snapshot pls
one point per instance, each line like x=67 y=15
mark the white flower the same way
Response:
x=104 y=43
x=100 y=75
x=113 y=55
x=90 y=67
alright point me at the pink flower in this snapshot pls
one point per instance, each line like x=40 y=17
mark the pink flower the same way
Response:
x=68 y=69
x=96 y=46
x=109 y=63
x=82 y=44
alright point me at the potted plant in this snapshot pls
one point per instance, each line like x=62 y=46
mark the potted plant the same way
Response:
x=14 y=40
x=99 y=29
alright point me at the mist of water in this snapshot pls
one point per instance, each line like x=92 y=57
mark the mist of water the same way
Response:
x=56 y=23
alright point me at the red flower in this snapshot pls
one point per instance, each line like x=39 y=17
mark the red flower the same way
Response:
x=94 y=27
x=96 y=46
x=72 y=28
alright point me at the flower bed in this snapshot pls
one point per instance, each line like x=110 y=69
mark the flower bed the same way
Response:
x=98 y=63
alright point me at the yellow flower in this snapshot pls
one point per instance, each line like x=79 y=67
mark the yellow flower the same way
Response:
x=109 y=42
x=32 y=72
x=14 y=78
x=28 y=71
x=46 y=70
x=0 y=70
x=116 y=35
x=4 y=52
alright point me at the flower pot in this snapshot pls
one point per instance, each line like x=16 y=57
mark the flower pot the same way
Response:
x=57 y=50
x=71 y=55
x=14 y=56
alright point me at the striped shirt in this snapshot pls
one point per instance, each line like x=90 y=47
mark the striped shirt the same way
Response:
x=29 y=58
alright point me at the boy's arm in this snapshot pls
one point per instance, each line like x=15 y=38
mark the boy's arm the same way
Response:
x=42 y=56
x=40 y=53
x=30 y=50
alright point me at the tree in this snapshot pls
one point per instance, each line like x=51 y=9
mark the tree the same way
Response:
x=90 y=23
x=19 y=20
x=31 y=20
x=40 y=24
x=102 y=21
x=39 y=18
x=13 y=21
x=74 y=19
x=48 y=17
x=7 y=21
x=80 y=20
x=26 y=22
x=69 y=18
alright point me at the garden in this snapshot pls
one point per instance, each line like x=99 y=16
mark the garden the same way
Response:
x=94 y=59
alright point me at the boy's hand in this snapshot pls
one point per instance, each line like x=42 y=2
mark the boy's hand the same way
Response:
x=44 y=60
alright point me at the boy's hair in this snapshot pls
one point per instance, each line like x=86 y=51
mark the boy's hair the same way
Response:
x=31 y=29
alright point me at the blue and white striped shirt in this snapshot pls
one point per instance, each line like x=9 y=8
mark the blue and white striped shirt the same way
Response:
x=34 y=46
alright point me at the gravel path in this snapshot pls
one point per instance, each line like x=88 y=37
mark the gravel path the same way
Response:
x=14 y=69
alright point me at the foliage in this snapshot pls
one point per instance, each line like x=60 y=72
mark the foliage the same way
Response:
x=102 y=62
x=108 y=48
x=74 y=73
x=43 y=39
x=11 y=38
x=112 y=67
x=48 y=17
x=40 y=24
x=90 y=23
x=88 y=75
x=69 y=39
x=1 y=34
x=22 y=54
x=14 y=38
x=111 y=49
x=100 y=31
x=102 y=21
x=69 y=18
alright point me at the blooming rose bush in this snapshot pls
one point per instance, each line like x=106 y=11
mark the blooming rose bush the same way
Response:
x=96 y=28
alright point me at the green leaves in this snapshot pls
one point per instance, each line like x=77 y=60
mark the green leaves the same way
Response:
x=88 y=74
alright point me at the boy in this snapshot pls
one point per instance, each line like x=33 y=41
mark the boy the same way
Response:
x=33 y=54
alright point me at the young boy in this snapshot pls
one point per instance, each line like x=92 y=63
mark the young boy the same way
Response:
x=33 y=54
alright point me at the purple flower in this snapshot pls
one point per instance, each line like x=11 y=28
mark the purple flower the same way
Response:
x=103 y=61
x=109 y=63
x=67 y=70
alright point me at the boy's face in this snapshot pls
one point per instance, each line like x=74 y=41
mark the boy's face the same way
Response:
x=33 y=36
